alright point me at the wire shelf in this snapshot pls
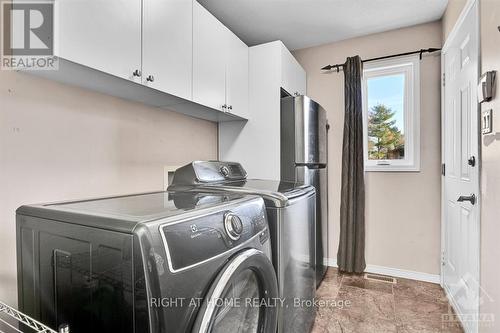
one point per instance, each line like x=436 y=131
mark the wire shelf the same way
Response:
x=14 y=321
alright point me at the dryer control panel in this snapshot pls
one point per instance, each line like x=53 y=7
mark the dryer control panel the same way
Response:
x=197 y=240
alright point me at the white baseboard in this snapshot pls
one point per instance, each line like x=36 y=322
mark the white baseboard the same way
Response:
x=395 y=272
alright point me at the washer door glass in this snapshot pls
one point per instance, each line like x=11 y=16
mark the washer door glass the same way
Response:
x=242 y=298
x=235 y=311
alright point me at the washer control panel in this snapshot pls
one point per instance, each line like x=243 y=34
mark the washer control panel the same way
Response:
x=207 y=172
x=215 y=171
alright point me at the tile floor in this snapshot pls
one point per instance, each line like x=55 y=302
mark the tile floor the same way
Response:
x=352 y=304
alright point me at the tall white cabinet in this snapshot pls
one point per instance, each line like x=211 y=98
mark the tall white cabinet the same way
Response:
x=256 y=143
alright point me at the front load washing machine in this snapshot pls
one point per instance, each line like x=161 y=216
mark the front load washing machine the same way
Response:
x=154 y=262
x=291 y=210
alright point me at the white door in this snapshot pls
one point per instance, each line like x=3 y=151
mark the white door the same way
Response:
x=209 y=59
x=105 y=35
x=461 y=180
x=167 y=61
x=236 y=75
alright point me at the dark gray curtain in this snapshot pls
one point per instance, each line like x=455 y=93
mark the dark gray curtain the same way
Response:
x=351 y=253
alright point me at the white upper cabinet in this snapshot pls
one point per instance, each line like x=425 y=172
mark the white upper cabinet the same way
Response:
x=175 y=47
x=220 y=65
x=236 y=76
x=167 y=45
x=104 y=35
x=209 y=59
x=293 y=76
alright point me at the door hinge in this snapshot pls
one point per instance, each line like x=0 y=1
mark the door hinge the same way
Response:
x=444 y=79
x=443 y=169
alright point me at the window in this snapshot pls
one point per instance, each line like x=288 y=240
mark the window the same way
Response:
x=391 y=107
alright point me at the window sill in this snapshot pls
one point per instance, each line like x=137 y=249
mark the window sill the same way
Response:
x=392 y=168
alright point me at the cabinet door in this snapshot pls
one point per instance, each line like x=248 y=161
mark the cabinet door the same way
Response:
x=209 y=59
x=300 y=80
x=168 y=46
x=236 y=75
x=293 y=75
x=104 y=35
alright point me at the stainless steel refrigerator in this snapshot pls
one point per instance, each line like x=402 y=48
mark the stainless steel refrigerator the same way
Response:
x=304 y=147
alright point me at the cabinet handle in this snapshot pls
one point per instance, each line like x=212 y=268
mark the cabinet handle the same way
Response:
x=296 y=93
x=224 y=106
x=150 y=78
x=137 y=73
x=230 y=107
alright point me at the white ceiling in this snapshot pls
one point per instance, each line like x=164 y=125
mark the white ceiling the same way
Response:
x=305 y=23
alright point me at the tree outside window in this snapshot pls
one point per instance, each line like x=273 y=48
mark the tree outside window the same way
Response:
x=385 y=140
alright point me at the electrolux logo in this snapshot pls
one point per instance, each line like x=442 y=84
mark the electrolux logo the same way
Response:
x=27 y=35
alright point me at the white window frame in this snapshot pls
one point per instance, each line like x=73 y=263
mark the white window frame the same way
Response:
x=410 y=67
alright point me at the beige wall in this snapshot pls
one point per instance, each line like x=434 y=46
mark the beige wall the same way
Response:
x=451 y=15
x=59 y=142
x=402 y=209
x=490 y=179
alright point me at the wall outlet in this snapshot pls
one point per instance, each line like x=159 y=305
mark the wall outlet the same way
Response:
x=168 y=175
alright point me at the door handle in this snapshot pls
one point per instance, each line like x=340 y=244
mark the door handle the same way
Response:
x=471 y=198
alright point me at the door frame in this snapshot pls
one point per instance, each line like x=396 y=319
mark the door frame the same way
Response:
x=469 y=7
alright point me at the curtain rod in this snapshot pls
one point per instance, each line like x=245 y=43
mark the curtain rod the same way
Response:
x=339 y=67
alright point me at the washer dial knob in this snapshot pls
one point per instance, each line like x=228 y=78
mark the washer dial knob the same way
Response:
x=233 y=226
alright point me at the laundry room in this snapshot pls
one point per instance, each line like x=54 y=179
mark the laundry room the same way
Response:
x=249 y=166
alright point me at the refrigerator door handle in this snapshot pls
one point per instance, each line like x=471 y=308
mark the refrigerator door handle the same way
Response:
x=311 y=165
